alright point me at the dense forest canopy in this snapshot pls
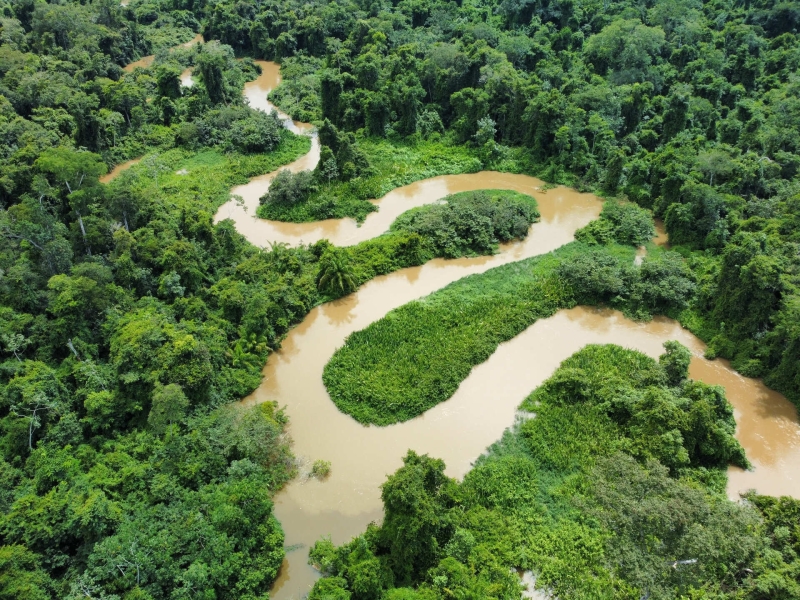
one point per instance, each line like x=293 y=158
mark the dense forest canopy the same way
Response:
x=129 y=320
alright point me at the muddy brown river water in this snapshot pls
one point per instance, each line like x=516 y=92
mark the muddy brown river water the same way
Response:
x=460 y=429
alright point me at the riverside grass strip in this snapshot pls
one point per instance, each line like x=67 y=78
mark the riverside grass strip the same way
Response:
x=417 y=355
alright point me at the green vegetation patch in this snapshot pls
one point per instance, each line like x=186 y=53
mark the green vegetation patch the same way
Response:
x=418 y=354
x=391 y=164
x=471 y=223
x=204 y=178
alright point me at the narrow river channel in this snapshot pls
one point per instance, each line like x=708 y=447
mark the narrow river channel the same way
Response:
x=485 y=404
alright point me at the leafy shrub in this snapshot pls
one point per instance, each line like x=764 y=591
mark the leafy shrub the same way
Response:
x=259 y=132
x=289 y=188
x=471 y=223
x=666 y=283
x=321 y=469
x=597 y=277
x=620 y=222
x=335 y=275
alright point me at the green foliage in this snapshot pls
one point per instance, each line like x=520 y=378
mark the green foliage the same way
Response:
x=169 y=404
x=675 y=362
x=621 y=223
x=321 y=469
x=335 y=272
x=288 y=189
x=21 y=575
x=330 y=588
x=129 y=318
x=470 y=223
x=687 y=109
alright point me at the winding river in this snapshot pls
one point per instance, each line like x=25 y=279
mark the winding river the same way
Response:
x=485 y=404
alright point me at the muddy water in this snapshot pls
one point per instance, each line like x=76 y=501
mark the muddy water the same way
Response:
x=242 y=207
x=186 y=78
x=146 y=61
x=119 y=169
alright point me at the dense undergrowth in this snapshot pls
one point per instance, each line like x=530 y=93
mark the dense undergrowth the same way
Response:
x=418 y=354
x=614 y=489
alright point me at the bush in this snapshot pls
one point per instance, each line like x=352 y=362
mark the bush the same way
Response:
x=289 y=188
x=597 y=276
x=620 y=222
x=471 y=223
x=321 y=469
x=259 y=132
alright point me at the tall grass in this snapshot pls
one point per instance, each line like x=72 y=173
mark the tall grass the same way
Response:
x=418 y=354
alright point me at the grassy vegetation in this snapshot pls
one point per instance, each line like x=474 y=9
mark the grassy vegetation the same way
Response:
x=208 y=175
x=392 y=164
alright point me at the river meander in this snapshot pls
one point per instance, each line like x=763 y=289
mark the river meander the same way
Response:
x=485 y=404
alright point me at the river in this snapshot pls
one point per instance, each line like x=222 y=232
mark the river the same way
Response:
x=485 y=404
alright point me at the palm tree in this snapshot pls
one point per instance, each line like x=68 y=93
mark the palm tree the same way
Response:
x=240 y=358
x=335 y=273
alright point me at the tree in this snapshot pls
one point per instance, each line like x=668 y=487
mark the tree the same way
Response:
x=335 y=275
x=715 y=163
x=32 y=394
x=288 y=189
x=21 y=575
x=417 y=523
x=626 y=47
x=213 y=62
x=168 y=406
x=657 y=521
x=168 y=78
x=77 y=170
x=675 y=362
